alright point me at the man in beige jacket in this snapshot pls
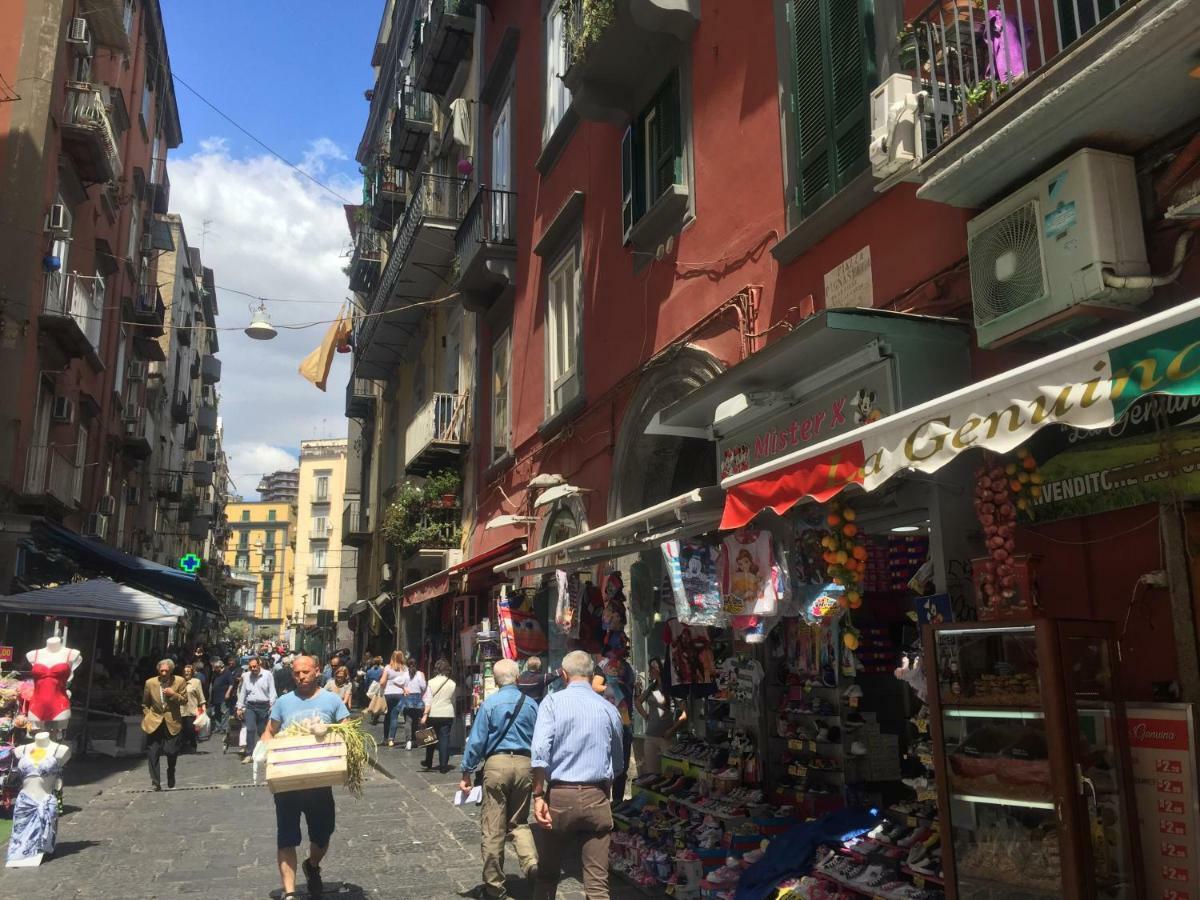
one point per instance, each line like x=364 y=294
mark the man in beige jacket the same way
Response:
x=162 y=720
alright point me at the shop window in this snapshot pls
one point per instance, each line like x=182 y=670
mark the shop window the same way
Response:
x=652 y=149
x=834 y=72
x=563 y=332
x=501 y=395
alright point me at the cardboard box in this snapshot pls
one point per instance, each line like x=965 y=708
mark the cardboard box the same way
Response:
x=302 y=762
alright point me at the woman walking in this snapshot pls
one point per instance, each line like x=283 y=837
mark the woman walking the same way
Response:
x=439 y=714
x=341 y=685
x=393 y=681
x=193 y=705
x=654 y=705
x=414 y=700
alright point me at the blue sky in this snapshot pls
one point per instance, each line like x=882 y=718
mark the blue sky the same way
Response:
x=293 y=74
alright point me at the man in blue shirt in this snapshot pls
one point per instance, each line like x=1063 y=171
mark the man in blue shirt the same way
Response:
x=306 y=702
x=576 y=751
x=499 y=742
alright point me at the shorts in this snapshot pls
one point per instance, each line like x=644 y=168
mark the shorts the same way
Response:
x=316 y=805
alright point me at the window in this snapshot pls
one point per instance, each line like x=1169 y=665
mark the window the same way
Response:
x=651 y=154
x=322 y=488
x=269 y=537
x=244 y=539
x=119 y=375
x=135 y=230
x=268 y=582
x=81 y=447
x=245 y=515
x=563 y=332
x=270 y=515
x=127 y=17
x=316 y=596
x=558 y=98
x=268 y=563
x=320 y=528
x=501 y=366
x=318 y=559
x=834 y=72
x=243 y=562
x=147 y=100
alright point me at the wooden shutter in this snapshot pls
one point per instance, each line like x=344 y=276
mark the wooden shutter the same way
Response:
x=834 y=65
x=626 y=183
x=669 y=149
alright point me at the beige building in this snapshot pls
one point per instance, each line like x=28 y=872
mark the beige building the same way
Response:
x=325 y=568
x=262 y=561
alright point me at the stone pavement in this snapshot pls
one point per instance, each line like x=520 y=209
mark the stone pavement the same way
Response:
x=214 y=836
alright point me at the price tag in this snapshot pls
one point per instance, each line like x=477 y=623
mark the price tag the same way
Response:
x=6 y=654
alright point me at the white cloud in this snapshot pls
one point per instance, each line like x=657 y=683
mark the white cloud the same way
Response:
x=275 y=234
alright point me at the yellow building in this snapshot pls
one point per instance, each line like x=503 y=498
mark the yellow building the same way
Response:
x=261 y=555
x=325 y=569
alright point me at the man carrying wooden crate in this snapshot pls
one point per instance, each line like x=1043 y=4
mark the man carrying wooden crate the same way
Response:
x=306 y=702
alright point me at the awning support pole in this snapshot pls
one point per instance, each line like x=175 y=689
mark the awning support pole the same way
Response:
x=1180 y=589
x=87 y=703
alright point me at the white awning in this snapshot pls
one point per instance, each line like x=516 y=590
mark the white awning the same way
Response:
x=98 y=598
x=695 y=512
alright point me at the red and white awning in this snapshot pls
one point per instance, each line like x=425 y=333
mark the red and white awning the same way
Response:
x=1090 y=386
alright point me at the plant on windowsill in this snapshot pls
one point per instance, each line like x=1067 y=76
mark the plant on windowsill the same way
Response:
x=412 y=521
x=581 y=32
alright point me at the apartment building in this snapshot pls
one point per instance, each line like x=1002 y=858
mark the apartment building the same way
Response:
x=325 y=567
x=261 y=556
x=282 y=486
x=84 y=324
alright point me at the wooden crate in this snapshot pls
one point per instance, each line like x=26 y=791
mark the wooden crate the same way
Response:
x=301 y=762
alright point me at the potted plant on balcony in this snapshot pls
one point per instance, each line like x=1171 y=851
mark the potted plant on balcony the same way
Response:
x=583 y=23
x=444 y=487
x=410 y=522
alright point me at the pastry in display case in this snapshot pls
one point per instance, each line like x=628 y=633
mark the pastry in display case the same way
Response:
x=1033 y=781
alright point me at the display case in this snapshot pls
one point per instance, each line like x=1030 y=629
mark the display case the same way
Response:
x=1033 y=775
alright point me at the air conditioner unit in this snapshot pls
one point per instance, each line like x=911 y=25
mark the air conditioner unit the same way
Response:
x=97 y=526
x=78 y=32
x=1038 y=257
x=106 y=506
x=56 y=218
x=62 y=410
x=137 y=370
x=385 y=572
x=147 y=242
x=896 y=139
x=133 y=496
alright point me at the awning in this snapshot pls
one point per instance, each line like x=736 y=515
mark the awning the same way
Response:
x=429 y=588
x=1089 y=385
x=479 y=568
x=95 y=555
x=98 y=598
x=694 y=512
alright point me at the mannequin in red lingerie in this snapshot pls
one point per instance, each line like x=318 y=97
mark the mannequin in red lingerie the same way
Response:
x=53 y=667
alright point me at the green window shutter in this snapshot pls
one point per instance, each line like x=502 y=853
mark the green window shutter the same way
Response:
x=667 y=152
x=834 y=63
x=627 y=216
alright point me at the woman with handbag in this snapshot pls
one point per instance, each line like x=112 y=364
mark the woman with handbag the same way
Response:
x=392 y=683
x=439 y=716
x=193 y=705
x=414 y=700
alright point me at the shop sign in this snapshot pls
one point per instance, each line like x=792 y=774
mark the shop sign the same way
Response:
x=1089 y=391
x=1097 y=477
x=849 y=283
x=864 y=399
x=1162 y=749
x=6 y=654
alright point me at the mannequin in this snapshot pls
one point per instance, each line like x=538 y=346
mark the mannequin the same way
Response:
x=35 y=814
x=53 y=667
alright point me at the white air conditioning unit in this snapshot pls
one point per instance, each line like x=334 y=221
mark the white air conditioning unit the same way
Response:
x=385 y=572
x=97 y=526
x=106 y=506
x=147 y=242
x=133 y=496
x=78 y=32
x=1039 y=257
x=896 y=139
x=137 y=370
x=56 y=218
x=62 y=410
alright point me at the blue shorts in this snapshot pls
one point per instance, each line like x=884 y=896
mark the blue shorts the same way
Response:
x=316 y=805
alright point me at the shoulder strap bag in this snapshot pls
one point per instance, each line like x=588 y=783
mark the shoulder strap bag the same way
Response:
x=512 y=717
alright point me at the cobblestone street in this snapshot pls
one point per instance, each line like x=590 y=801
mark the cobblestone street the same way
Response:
x=214 y=836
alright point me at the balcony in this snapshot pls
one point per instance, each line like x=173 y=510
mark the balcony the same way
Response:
x=191 y=437
x=149 y=312
x=52 y=478
x=317 y=569
x=437 y=435
x=356 y=524
x=71 y=314
x=171 y=488
x=88 y=136
x=181 y=409
x=138 y=439
x=486 y=248
x=360 y=398
x=111 y=22
x=1011 y=87
x=202 y=473
x=390 y=196
x=439 y=530
x=419 y=264
x=619 y=52
x=210 y=370
x=445 y=43
x=411 y=128
x=206 y=419
x=367 y=260
x=199 y=527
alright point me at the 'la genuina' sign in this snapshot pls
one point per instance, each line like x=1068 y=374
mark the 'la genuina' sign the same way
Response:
x=1092 y=391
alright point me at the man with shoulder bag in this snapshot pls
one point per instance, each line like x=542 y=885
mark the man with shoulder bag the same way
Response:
x=499 y=747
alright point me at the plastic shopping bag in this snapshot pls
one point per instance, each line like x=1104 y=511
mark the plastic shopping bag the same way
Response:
x=373 y=689
x=203 y=727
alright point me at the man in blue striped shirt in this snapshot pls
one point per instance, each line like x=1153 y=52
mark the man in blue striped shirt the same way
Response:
x=576 y=751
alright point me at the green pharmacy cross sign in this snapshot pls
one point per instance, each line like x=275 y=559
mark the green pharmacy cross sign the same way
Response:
x=190 y=563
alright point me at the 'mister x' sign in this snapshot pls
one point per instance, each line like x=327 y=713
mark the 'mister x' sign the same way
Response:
x=190 y=563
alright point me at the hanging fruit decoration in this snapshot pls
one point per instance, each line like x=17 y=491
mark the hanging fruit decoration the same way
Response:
x=1001 y=490
x=845 y=557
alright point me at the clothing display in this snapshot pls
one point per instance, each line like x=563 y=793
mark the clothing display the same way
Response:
x=35 y=816
x=749 y=585
x=50 y=698
x=692 y=665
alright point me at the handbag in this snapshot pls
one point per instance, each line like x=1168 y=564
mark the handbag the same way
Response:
x=377 y=706
x=512 y=717
x=425 y=737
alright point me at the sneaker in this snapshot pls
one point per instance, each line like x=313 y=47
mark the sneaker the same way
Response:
x=873 y=876
x=313 y=882
x=408 y=745
x=858 y=748
x=854 y=692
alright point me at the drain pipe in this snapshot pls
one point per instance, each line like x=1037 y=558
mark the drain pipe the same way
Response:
x=1152 y=281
